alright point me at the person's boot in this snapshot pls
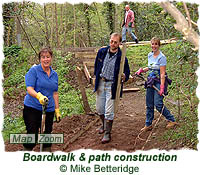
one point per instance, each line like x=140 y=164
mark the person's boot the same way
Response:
x=107 y=134
x=136 y=41
x=47 y=149
x=171 y=124
x=147 y=128
x=102 y=129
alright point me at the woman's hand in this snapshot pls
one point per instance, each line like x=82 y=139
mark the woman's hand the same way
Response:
x=42 y=99
x=58 y=116
x=162 y=87
x=139 y=71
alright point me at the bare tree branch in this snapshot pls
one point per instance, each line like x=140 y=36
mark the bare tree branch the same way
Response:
x=194 y=23
x=188 y=14
x=182 y=24
x=26 y=35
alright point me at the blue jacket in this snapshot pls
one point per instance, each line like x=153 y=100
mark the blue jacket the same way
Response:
x=99 y=65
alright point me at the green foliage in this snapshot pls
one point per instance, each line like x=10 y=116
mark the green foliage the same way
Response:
x=109 y=13
x=69 y=97
x=15 y=66
x=182 y=62
x=17 y=78
x=15 y=56
x=12 y=125
x=14 y=86
x=87 y=25
x=12 y=51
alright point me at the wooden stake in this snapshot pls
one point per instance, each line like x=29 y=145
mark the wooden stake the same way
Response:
x=121 y=70
x=82 y=89
x=87 y=73
x=131 y=89
x=73 y=139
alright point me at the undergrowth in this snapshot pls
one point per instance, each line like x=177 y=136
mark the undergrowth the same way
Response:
x=15 y=67
x=182 y=63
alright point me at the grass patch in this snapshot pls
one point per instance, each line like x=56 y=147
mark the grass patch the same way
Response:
x=12 y=125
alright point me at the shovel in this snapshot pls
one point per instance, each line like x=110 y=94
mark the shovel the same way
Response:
x=42 y=129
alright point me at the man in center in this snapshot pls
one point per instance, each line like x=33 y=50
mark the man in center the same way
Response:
x=106 y=70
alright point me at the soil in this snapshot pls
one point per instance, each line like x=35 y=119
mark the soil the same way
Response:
x=126 y=134
x=126 y=127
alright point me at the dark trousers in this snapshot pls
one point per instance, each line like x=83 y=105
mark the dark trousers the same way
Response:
x=154 y=99
x=32 y=119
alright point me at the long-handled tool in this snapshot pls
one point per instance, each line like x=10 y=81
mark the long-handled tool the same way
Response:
x=166 y=98
x=140 y=76
x=42 y=129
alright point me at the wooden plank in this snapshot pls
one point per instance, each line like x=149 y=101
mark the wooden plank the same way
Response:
x=73 y=139
x=93 y=81
x=121 y=70
x=87 y=73
x=131 y=89
x=91 y=55
x=82 y=89
x=86 y=53
x=80 y=49
x=89 y=63
x=142 y=43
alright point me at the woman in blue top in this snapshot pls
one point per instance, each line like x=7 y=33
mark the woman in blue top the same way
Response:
x=42 y=83
x=157 y=70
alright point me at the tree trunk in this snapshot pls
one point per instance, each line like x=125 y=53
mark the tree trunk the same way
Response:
x=115 y=17
x=87 y=18
x=74 y=9
x=65 y=29
x=57 y=33
x=18 y=29
x=52 y=26
x=29 y=41
x=121 y=70
x=99 y=19
x=46 y=25
x=182 y=24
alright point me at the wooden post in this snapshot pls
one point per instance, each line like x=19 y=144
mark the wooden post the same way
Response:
x=87 y=73
x=82 y=89
x=121 y=70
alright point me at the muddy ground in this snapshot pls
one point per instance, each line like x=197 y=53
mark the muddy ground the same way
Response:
x=126 y=133
x=126 y=127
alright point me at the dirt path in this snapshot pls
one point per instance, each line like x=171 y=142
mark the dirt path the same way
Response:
x=126 y=127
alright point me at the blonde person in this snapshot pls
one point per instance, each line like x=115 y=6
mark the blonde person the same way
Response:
x=42 y=84
x=157 y=77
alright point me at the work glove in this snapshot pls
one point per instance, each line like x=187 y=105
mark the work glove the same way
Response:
x=139 y=71
x=41 y=98
x=162 y=87
x=57 y=113
x=130 y=24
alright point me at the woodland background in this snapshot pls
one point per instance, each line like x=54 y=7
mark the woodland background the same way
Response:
x=81 y=25
x=28 y=26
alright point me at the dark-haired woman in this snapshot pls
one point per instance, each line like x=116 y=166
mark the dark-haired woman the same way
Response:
x=42 y=84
